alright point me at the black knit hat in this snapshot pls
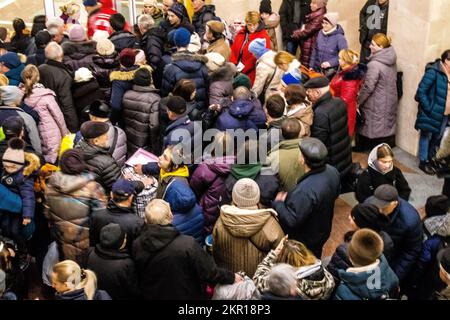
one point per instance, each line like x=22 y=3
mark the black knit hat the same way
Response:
x=72 y=162
x=176 y=104
x=42 y=38
x=436 y=206
x=265 y=7
x=99 y=109
x=93 y=129
x=367 y=216
x=178 y=9
x=142 y=77
x=112 y=236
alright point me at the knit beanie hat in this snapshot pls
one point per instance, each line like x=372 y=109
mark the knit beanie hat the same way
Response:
x=99 y=35
x=258 y=47
x=127 y=57
x=105 y=47
x=10 y=60
x=10 y=95
x=112 y=236
x=216 y=26
x=140 y=57
x=15 y=154
x=246 y=193
x=182 y=37
x=332 y=17
x=90 y=3
x=72 y=162
x=76 y=33
x=142 y=77
x=83 y=75
x=436 y=206
x=93 y=129
x=265 y=7
x=365 y=247
x=242 y=80
x=42 y=38
x=215 y=61
x=367 y=216
x=178 y=9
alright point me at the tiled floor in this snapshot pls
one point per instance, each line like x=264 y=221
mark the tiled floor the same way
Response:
x=422 y=187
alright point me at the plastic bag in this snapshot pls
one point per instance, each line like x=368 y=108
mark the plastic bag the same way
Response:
x=66 y=144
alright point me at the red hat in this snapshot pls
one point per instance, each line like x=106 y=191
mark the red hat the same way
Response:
x=127 y=57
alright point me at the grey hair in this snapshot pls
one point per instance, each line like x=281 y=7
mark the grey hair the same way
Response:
x=281 y=280
x=145 y=22
x=158 y=212
x=54 y=22
x=54 y=51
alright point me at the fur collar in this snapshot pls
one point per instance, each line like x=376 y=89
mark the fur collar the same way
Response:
x=186 y=55
x=225 y=73
x=33 y=163
x=127 y=74
x=355 y=73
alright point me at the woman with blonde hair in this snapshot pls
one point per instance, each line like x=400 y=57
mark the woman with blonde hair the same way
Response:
x=314 y=282
x=240 y=55
x=74 y=283
x=52 y=127
x=70 y=13
x=347 y=82
x=290 y=67
x=378 y=97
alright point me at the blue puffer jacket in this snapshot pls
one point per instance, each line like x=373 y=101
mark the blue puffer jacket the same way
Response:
x=187 y=214
x=327 y=48
x=241 y=114
x=173 y=134
x=189 y=66
x=354 y=286
x=432 y=98
x=405 y=229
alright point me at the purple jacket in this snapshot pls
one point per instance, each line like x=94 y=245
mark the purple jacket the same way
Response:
x=327 y=48
x=208 y=184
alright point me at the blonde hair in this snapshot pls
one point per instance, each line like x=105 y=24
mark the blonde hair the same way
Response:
x=382 y=40
x=252 y=17
x=350 y=57
x=70 y=8
x=4 y=81
x=70 y=273
x=158 y=212
x=283 y=57
x=296 y=254
x=30 y=76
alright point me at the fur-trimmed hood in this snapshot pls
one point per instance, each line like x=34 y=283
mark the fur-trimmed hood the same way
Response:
x=355 y=73
x=33 y=163
x=127 y=74
x=225 y=73
x=78 y=50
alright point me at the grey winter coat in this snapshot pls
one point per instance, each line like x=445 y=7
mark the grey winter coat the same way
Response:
x=378 y=99
x=221 y=84
x=141 y=117
x=118 y=144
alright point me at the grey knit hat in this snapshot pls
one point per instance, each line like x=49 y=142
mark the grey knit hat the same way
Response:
x=246 y=193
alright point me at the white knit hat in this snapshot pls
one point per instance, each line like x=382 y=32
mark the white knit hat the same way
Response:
x=140 y=57
x=100 y=34
x=83 y=75
x=215 y=61
x=246 y=193
x=332 y=17
x=14 y=155
x=105 y=47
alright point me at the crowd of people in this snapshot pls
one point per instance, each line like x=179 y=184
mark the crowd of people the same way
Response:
x=244 y=217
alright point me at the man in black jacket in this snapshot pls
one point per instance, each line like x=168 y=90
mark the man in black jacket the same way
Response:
x=119 y=211
x=306 y=213
x=113 y=265
x=172 y=266
x=292 y=16
x=330 y=125
x=202 y=14
x=373 y=19
x=120 y=37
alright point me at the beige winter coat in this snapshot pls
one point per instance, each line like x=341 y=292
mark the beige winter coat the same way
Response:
x=268 y=76
x=304 y=114
x=242 y=238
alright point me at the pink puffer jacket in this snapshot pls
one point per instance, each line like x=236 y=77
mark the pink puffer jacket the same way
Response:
x=52 y=127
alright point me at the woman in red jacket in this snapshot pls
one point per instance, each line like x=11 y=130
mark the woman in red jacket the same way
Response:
x=240 y=56
x=347 y=82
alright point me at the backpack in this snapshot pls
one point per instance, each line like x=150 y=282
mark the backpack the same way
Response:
x=308 y=74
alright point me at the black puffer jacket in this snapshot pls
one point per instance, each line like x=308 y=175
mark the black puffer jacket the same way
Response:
x=186 y=65
x=200 y=19
x=141 y=117
x=288 y=11
x=152 y=43
x=172 y=266
x=101 y=163
x=57 y=77
x=115 y=271
x=102 y=67
x=79 y=54
x=84 y=93
x=122 y=40
x=330 y=127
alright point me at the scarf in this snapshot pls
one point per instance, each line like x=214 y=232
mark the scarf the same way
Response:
x=180 y=172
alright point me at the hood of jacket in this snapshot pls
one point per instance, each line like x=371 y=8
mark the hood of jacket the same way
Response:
x=33 y=163
x=336 y=31
x=79 y=50
x=155 y=237
x=121 y=35
x=111 y=254
x=386 y=56
x=241 y=108
x=355 y=73
x=239 y=171
x=267 y=59
x=180 y=196
x=372 y=160
x=244 y=222
x=221 y=166
x=225 y=73
x=37 y=95
x=435 y=65
x=291 y=144
x=124 y=74
x=189 y=62
x=357 y=281
x=67 y=183
x=107 y=62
